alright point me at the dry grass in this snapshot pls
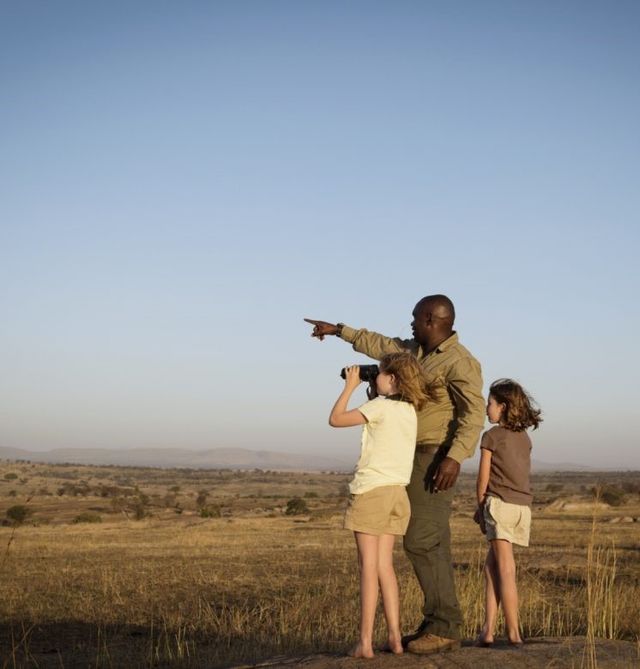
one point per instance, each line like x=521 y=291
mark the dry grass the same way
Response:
x=175 y=589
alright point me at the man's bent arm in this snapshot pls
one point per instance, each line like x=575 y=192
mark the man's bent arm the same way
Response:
x=465 y=386
x=376 y=345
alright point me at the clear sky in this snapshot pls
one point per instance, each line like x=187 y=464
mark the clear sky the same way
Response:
x=182 y=182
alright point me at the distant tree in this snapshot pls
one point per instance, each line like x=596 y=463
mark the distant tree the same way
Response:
x=631 y=487
x=555 y=487
x=211 y=511
x=201 y=500
x=611 y=495
x=296 y=506
x=140 y=505
x=18 y=513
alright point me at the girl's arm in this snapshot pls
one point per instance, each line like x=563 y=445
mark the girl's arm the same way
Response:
x=482 y=483
x=483 y=475
x=340 y=416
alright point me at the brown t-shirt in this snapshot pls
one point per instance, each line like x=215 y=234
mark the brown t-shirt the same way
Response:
x=510 y=464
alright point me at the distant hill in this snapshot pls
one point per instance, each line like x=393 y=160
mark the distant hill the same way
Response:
x=233 y=458
x=215 y=458
x=538 y=466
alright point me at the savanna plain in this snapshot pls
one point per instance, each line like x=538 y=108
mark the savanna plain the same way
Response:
x=142 y=567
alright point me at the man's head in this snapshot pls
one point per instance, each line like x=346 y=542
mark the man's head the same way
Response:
x=433 y=319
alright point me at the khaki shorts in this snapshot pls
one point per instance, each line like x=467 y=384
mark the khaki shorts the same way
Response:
x=383 y=510
x=503 y=520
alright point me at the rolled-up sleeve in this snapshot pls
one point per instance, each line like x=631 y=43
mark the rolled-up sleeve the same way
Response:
x=464 y=382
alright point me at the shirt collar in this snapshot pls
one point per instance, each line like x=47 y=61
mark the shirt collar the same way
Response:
x=447 y=343
x=398 y=397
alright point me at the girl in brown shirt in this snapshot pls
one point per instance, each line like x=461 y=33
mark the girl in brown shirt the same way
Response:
x=504 y=500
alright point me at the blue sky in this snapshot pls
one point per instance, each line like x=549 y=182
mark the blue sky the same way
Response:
x=181 y=183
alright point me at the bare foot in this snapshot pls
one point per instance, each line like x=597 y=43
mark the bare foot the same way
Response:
x=394 y=644
x=483 y=640
x=514 y=638
x=360 y=650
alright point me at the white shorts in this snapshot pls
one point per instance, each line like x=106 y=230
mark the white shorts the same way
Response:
x=503 y=520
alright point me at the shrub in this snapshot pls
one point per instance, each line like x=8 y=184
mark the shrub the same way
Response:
x=631 y=487
x=139 y=507
x=296 y=506
x=74 y=490
x=555 y=487
x=18 y=513
x=11 y=476
x=211 y=511
x=118 y=504
x=88 y=517
x=201 y=500
x=612 y=495
x=311 y=494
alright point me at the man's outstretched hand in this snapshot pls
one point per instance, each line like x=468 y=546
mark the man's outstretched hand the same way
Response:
x=446 y=474
x=321 y=328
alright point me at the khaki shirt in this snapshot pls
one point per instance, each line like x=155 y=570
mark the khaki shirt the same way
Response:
x=455 y=417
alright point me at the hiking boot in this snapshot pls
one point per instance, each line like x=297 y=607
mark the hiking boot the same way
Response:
x=431 y=643
x=408 y=638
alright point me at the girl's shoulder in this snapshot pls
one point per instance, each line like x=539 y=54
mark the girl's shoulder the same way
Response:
x=494 y=433
x=502 y=436
x=375 y=409
x=494 y=437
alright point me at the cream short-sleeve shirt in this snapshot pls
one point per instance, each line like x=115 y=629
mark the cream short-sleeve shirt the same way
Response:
x=387 y=446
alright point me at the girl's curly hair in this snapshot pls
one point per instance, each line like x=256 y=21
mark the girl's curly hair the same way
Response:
x=409 y=377
x=520 y=410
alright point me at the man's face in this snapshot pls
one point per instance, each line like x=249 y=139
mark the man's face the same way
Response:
x=419 y=324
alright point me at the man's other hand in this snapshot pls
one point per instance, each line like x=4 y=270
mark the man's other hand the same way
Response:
x=446 y=474
x=321 y=328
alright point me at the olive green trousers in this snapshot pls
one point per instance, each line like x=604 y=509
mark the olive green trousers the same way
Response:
x=427 y=544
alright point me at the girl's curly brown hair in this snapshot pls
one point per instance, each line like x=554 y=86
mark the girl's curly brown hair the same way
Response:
x=409 y=377
x=520 y=410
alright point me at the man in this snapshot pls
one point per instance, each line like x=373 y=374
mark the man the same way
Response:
x=448 y=429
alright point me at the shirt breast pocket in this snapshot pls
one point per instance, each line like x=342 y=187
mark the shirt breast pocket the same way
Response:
x=437 y=389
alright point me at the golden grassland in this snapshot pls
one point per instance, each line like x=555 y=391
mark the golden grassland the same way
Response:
x=205 y=568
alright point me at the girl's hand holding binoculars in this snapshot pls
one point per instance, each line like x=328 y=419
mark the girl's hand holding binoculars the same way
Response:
x=352 y=377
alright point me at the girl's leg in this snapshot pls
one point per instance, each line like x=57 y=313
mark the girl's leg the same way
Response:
x=368 y=561
x=492 y=597
x=506 y=568
x=389 y=588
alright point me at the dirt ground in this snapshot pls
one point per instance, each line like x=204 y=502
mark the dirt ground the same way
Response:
x=548 y=653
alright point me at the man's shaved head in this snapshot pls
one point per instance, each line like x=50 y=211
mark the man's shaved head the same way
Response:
x=439 y=306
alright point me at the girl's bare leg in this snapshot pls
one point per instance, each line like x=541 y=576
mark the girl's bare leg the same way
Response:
x=506 y=568
x=368 y=561
x=492 y=597
x=389 y=588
